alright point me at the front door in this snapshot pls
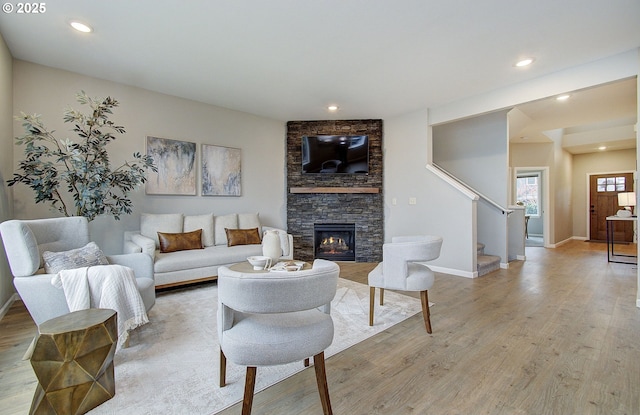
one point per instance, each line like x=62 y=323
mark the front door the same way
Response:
x=604 y=189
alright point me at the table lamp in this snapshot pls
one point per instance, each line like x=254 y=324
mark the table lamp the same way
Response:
x=627 y=200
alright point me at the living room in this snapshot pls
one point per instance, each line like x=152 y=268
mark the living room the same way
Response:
x=36 y=88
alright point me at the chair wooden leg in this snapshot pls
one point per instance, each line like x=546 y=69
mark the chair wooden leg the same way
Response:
x=381 y=296
x=223 y=369
x=323 y=387
x=249 y=386
x=372 y=300
x=424 y=297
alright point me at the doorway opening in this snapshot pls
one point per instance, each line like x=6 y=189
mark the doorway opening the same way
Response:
x=531 y=189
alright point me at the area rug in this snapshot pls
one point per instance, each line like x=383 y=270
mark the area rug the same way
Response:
x=171 y=365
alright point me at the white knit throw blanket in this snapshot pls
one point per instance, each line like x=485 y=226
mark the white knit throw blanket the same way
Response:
x=105 y=286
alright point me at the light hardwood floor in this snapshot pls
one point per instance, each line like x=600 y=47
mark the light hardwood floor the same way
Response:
x=556 y=334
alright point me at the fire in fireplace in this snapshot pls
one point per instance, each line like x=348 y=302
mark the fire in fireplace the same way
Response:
x=335 y=241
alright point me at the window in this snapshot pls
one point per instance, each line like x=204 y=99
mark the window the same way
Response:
x=611 y=184
x=528 y=193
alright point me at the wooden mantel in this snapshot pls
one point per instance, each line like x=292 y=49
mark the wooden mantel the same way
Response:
x=334 y=190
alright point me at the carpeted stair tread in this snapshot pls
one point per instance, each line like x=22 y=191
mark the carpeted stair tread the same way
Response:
x=487 y=264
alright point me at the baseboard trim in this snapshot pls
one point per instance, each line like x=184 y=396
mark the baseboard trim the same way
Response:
x=504 y=265
x=5 y=307
x=456 y=272
x=559 y=244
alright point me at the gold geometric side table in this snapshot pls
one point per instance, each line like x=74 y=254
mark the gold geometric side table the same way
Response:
x=73 y=361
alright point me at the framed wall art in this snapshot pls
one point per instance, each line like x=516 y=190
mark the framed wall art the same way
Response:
x=221 y=171
x=176 y=162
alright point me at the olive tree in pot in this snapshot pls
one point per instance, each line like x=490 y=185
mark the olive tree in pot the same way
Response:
x=59 y=170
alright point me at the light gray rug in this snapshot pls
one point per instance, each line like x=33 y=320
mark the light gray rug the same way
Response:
x=171 y=365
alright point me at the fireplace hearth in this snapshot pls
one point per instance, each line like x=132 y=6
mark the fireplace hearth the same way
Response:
x=335 y=241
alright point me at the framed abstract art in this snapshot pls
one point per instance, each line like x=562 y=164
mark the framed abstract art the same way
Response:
x=221 y=171
x=176 y=162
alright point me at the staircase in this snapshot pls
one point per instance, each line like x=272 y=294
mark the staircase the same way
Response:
x=486 y=263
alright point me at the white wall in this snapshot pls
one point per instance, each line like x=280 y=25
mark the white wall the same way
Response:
x=6 y=170
x=404 y=152
x=47 y=91
x=405 y=176
x=475 y=150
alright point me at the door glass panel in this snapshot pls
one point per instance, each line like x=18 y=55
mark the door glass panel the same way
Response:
x=611 y=184
x=528 y=194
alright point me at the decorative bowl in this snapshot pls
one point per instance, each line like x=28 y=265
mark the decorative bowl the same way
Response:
x=259 y=262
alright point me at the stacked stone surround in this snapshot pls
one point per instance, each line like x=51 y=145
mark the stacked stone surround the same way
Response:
x=365 y=210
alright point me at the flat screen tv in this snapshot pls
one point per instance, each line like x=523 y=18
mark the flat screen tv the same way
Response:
x=335 y=154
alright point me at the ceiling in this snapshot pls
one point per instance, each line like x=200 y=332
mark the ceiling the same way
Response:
x=289 y=59
x=602 y=116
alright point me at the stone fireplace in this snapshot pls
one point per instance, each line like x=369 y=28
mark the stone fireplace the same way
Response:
x=355 y=199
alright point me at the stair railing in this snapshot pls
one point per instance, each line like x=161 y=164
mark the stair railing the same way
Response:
x=440 y=171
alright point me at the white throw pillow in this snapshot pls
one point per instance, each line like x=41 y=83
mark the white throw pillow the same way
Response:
x=249 y=221
x=86 y=256
x=222 y=222
x=152 y=223
x=204 y=222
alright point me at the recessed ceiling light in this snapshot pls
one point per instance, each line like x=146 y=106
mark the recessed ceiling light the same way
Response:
x=332 y=108
x=602 y=148
x=524 y=62
x=563 y=97
x=80 y=27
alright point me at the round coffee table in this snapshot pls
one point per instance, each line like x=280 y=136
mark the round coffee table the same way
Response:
x=246 y=267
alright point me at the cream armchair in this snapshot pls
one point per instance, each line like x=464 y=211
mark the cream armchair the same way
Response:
x=402 y=269
x=275 y=318
x=26 y=240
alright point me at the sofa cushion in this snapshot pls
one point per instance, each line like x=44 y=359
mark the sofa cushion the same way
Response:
x=248 y=221
x=222 y=223
x=242 y=236
x=204 y=222
x=86 y=256
x=211 y=256
x=172 y=242
x=151 y=224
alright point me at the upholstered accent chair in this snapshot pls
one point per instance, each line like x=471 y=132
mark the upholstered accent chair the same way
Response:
x=26 y=240
x=267 y=319
x=402 y=269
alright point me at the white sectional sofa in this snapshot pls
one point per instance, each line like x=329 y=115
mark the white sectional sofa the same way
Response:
x=191 y=265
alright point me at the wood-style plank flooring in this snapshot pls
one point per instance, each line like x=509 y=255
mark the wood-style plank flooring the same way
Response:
x=556 y=334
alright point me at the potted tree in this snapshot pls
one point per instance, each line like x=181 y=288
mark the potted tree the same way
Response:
x=76 y=177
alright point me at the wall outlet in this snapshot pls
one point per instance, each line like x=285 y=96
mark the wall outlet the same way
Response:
x=412 y=201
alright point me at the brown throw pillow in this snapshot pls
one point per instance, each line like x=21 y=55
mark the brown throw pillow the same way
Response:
x=242 y=236
x=171 y=242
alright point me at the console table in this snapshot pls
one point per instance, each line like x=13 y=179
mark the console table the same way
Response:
x=611 y=255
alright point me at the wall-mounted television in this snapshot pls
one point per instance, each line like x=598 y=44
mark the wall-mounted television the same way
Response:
x=335 y=154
